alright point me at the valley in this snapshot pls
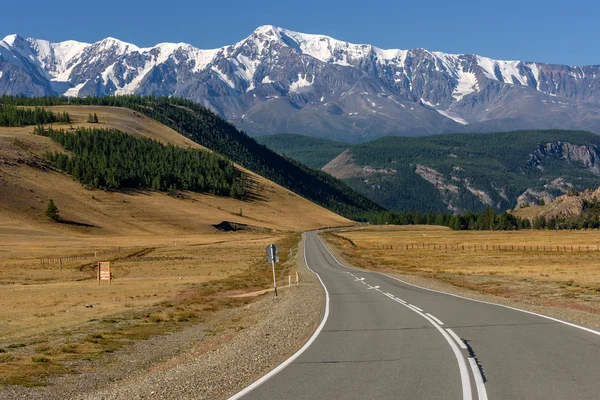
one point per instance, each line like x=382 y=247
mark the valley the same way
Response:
x=460 y=172
x=322 y=200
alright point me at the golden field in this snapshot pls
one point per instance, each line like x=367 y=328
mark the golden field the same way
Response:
x=171 y=266
x=569 y=279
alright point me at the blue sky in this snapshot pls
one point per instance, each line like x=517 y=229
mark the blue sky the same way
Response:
x=565 y=32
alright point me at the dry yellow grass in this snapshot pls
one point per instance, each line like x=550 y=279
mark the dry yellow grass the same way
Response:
x=160 y=284
x=25 y=188
x=171 y=266
x=35 y=298
x=560 y=278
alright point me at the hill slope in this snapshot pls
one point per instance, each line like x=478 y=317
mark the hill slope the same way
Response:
x=573 y=206
x=27 y=183
x=209 y=130
x=469 y=172
x=312 y=152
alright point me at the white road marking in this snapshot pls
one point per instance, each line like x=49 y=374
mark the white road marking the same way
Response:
x=477 y=301
x=400 y=300
x=372 y=287
x=434 y=318
x=479 y=383
x=462 y=365
x=458 y=340
x=297 y=354
x=415 y=307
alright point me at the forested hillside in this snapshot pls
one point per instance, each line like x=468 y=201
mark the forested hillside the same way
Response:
x=13 y=116
x=109 y=159
x=470 y=172
x=209 y=130
x=310 y=151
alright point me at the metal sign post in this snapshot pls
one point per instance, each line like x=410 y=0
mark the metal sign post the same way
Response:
x=273 y=257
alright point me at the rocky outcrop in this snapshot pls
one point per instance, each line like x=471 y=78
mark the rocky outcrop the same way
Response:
x=565 y=206
x=547 y=194
x=436 y=178
x=584 y=156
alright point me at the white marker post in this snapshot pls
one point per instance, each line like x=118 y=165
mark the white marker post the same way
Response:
x=273 y=257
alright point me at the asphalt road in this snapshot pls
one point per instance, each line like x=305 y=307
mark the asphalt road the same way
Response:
x=382 y=338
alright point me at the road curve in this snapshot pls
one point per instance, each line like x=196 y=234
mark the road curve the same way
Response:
x=383 y=338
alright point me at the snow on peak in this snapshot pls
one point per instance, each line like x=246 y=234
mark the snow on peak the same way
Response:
x=11 y=39
x=120 y=47
x=327 y=49
x=268 y=30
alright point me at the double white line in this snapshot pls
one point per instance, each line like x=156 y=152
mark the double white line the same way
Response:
x=453 y=340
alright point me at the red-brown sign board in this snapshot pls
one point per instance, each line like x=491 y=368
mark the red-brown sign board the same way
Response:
x=104 y=272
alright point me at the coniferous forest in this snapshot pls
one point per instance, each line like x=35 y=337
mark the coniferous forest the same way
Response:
x=15 y=117
x=209 y=130
x=110 y=159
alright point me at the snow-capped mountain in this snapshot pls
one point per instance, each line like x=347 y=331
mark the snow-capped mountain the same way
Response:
x=278 y=81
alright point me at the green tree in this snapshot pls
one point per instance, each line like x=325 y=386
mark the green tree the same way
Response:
x=95 y=119
x=52 y=211
x=539 y=223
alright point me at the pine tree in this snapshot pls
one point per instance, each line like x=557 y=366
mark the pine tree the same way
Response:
x=52 y=211
x=90 y=119
x=95 y=120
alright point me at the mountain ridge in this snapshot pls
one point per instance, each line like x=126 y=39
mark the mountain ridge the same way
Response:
x=459 y=172
x=277 y=81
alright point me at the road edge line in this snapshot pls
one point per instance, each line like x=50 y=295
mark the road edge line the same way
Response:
x=466 y=298
x=458 y=340
x=479 y=383
x=297 y=354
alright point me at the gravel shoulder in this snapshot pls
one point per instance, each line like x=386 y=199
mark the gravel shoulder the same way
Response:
x=213 y=360
x=567 y=314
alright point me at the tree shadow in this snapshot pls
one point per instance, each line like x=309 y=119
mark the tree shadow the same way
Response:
x=75 y=223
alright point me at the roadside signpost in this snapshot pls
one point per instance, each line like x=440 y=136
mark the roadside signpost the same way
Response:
x=273 y=257
x=104 y=272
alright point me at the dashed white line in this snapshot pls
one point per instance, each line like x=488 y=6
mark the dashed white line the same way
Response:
x=415 y=307
x=400 y=300
x=434 y=318
x=462 y=364
x=458 y=340
x=479 y=383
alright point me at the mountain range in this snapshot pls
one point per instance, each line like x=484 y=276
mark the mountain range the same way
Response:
x=280 y=81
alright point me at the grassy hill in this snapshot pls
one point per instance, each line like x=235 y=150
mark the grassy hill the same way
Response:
x=28 y=181
x=310 y=151
x=209 y=130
